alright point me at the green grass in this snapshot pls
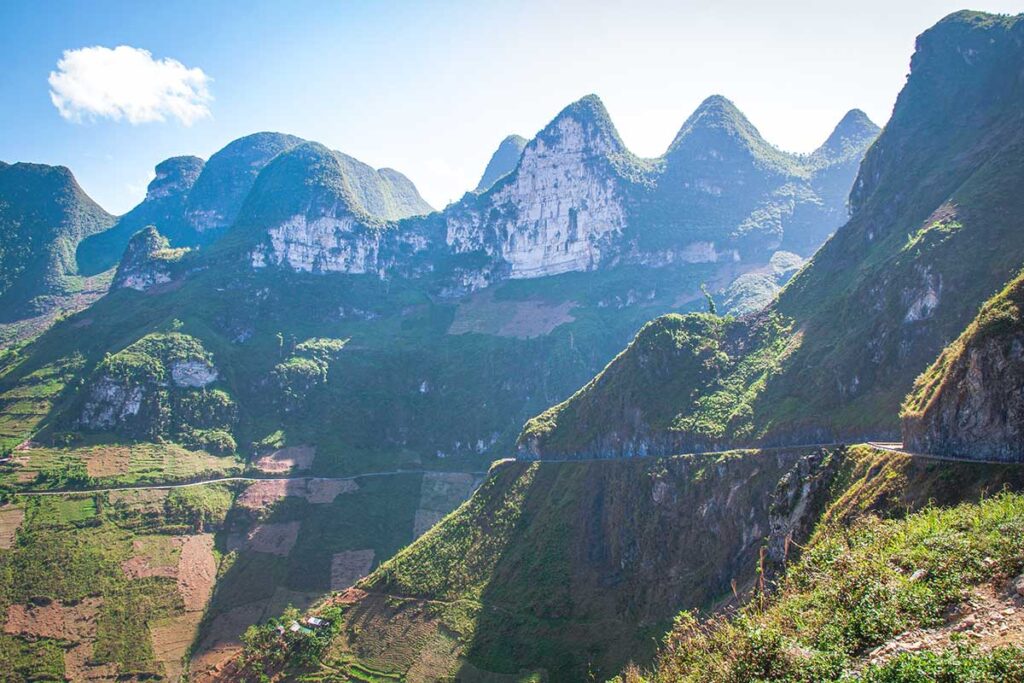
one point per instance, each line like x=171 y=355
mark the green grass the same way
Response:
x=852 y=590
x=116 y=464
x=200 y=506
x=24 y=660
x=692 y=379
x=963 y=664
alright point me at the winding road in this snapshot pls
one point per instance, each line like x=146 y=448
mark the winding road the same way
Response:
x=218 y=480
x=891 y=446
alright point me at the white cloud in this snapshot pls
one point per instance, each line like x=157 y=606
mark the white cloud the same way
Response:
x=127 y=83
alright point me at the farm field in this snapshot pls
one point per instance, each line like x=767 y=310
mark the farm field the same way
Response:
x=156 y=583
x=39 y=468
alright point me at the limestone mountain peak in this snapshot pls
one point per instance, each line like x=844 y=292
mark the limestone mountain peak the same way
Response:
x=588 y=117
x=502 y=162
x=850 y=135
x=174 y=175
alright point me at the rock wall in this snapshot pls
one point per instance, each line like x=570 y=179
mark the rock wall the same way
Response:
x=970 y=402
x=979 y=412
x=556 y=214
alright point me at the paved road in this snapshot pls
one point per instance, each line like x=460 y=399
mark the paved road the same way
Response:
x=135 y=487
x=891 y=446
x=897 y=447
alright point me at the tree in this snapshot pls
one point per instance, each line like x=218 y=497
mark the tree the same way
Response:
x=712 y=309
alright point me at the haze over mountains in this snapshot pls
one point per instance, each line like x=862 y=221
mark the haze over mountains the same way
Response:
x=288 y=313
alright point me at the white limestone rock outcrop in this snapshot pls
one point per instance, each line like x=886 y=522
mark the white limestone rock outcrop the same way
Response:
x=148 y=261
x=111 y=402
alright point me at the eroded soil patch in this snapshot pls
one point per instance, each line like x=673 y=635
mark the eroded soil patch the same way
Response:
x=73 y=623
x=11 y=518
x=197 y=571
x=108 y=462
x=522 y=319
x=275 y=539
x=284 y=460
x=990 y=618
x=262 y=494
x=349 y=566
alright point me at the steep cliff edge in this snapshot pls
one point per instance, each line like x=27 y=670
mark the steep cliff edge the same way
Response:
x=934 y=233
x=970 y=402
x=567 y=571
x=568 y=568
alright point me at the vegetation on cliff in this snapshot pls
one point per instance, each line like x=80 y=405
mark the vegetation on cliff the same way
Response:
x=868 y=574
x=968 y=403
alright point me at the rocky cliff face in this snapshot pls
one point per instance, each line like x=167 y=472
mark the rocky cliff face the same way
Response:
x=162 y=386
x=562 y=207
x=970 y=402
x=193 y=204
x=174 y=176
x=148 y=260
x=316 y=210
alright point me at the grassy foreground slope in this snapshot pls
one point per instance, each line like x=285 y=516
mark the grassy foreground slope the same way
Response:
x=905 y=548
x=935 y=231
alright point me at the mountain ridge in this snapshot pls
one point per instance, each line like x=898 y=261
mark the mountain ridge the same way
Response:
x=848 y=334
x=44 y=215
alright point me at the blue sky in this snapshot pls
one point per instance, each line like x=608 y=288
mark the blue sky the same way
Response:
x=431 y=88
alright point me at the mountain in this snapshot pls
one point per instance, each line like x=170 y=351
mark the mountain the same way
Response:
x=164 y=206
x=577 y=201
x=933 y=234
x=968 y=402
x=723 y=171
x=316 y=209
x=190 y=201
x=44 y=214
x=219 y=193
x=334 y=333
x=502 y=162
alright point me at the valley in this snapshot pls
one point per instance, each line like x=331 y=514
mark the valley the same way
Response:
x=728 y=413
